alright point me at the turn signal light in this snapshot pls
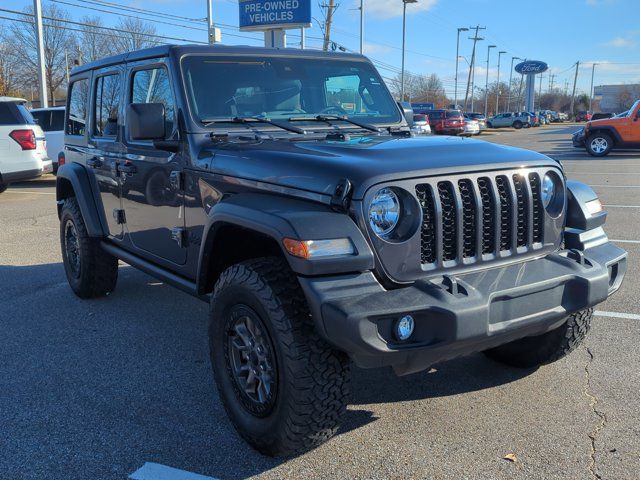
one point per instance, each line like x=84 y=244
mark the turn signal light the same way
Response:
x=61 y=159
x=309 y=249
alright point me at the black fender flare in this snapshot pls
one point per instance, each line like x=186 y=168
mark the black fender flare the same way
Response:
x=73 y=180
x=603 y=129
x=279 y=217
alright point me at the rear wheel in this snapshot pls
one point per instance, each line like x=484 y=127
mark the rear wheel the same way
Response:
x=90 y=270
x=517 y=124
x=599 y=144
x=3 y=187
x=283 y=387
x=531 y=352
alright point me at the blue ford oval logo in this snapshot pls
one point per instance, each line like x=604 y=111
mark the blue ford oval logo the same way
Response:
x=531 y=66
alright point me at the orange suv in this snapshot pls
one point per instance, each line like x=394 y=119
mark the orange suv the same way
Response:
x=621 y=131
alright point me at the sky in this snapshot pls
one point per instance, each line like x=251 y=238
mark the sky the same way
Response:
x=558 y=32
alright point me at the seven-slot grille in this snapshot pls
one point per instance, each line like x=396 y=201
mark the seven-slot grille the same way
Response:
x=465 y=218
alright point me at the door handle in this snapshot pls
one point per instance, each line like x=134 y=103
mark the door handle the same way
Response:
x=126 y=168
x=95 y=162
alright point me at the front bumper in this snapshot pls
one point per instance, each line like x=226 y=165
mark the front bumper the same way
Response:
x=578 y=139
x=461 y=314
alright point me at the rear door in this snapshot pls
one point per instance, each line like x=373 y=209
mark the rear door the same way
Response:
x=152 y=196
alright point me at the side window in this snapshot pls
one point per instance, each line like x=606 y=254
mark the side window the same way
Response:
x=152 y=86
x=57 y=120
x=78 y=99
x=107 y=106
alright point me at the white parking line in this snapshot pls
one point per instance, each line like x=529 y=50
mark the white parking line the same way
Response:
x=621 y=206
x=628 y=316
x=157 y=471
x=625 y=241
x=30 y=192
x=615 y=186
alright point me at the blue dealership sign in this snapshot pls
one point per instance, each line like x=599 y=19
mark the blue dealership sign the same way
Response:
x=271 y=14
x=531 y=67
x=422 y=107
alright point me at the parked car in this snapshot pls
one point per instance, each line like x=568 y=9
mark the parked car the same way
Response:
x=583 y=116
x=446 y=122
x=599 y=137
x=601 y=115
x=542 y=117
x=563 y=117
x=482 y=120
x=535 y=120
x=421 y=124
x=510 y=119
x=23 y=152
x=320 y=237
x=471 y=127
x=51 y=120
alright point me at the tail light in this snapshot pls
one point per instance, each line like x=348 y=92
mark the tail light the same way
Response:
x=25 y=138
x=61 y=159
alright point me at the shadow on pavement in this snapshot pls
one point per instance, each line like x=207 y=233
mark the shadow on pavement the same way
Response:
x=96 y=388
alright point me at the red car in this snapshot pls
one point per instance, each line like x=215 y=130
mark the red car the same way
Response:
x=446 y=122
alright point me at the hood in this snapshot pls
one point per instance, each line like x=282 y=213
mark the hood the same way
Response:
x=318 y=165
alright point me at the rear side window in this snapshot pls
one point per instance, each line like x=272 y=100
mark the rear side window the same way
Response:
x=152 y=86
x=107 y=106
x=50 y=120
x=78 y=100
x=14 y=114
x=454 y=114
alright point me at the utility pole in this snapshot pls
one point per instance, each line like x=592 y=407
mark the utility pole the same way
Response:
x=500 y=53
x=361 y=27
x=404 y=40
x=455 y=88
x=475 y=39
x=566 y=87
x=486 y=83
x=213 y=32
x=551 y=79
x=573 y=94
x=540 y=92
x=327 y=24
x=511 y=83
x=42 y=77
x=593 y=72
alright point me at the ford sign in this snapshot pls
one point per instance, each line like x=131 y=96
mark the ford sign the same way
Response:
x=531 y=67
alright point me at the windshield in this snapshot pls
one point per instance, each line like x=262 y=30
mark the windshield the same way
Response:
x=220 y=87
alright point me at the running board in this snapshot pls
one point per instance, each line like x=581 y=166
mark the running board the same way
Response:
x=154 y=270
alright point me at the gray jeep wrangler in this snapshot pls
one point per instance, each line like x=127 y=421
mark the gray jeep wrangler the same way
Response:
x=284 y=187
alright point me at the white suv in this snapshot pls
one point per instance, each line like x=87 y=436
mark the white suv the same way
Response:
x=23 y=149
x=51 y=120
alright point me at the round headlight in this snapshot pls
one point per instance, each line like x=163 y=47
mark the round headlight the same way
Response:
x=548 y=190
x=384 y=212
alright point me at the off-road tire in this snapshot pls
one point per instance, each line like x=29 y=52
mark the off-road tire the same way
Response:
x=603 y=137
x=532 y=352
x=313 y=378
x=517 y=124
x=98 y=272
x=3 y=187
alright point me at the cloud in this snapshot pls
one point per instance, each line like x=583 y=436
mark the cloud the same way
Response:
x=620 y=42
x=390 y=8
x=375 y=48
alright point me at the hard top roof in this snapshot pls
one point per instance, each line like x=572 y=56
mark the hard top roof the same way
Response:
x=179 y=50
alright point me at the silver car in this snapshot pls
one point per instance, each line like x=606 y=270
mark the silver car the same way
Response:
x=510 y=119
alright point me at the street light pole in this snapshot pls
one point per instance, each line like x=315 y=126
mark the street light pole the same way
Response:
x=455 y=89
x=486 y=85
x=510 y=81
x=42 y=77
x=361 y=27
x=593 y=71
x=500 y=53
x=404 y=35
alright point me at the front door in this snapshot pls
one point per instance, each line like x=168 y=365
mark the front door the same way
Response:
x=152 y=196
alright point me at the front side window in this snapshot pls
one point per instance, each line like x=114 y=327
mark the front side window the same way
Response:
x=78 y=100
x=107 y=106
x=221 y=87
x=152 y=86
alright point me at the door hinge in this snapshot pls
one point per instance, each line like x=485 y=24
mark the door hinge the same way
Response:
x=179 y=235
x=176 y=180
x=119 y=215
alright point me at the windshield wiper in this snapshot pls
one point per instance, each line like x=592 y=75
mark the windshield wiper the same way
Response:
x=329 y=118
x=245 y=120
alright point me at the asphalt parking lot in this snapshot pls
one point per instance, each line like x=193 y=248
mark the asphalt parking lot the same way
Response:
x=96 y=389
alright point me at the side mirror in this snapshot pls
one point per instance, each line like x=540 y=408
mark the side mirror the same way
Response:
x=145 y=121
x=407 y=111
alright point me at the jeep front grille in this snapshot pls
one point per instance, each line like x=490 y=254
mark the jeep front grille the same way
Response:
x=466 y=219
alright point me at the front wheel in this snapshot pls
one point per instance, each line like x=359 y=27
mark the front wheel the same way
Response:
x=3 y=187
x=599 y=144
x=542 y=349
x=283 y=387
x=517 y=124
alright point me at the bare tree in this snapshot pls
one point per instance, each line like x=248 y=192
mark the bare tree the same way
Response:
x=135 y=34
x=8 y=72
x=94 y=42
x=57 y=40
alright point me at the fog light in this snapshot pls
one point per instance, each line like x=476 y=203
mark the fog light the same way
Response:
x=404 y=327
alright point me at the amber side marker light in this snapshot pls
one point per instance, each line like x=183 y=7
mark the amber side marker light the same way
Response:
x=594 y=206
x=310 y=249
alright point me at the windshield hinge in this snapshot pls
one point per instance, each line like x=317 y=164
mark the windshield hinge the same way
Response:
x=341 y=195
x=400 y=133
x=338 y=136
